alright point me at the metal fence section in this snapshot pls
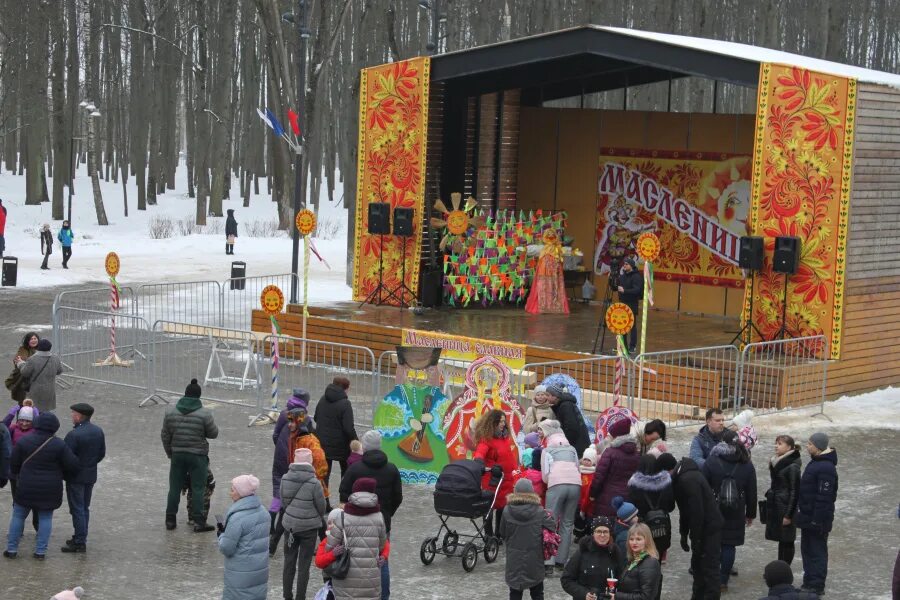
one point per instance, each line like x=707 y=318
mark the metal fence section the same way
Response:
x=195 y=302
x=83 y=341
x=223 y=361
x=323 y=361
x=679 y=386
x=783 y=374
x=241 y=295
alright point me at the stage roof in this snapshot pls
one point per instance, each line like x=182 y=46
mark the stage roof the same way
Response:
x=593 y=58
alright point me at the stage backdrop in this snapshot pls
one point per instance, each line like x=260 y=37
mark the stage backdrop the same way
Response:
x=697 y=203
x=801 y=187
x=393 y=123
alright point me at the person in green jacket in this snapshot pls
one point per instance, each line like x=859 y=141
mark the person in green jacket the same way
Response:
x=186 y=428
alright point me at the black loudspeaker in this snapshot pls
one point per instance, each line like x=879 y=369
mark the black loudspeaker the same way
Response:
x=751 y=254
x=403 y=221
x=787 y=255
x=431 y=282
x=379 y=218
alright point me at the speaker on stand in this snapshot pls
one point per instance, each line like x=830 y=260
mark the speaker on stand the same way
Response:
x=403 y=228
x=378 y=224
x=785 y=260
x=750 y=259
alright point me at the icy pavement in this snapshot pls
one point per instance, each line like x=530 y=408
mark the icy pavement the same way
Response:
x=131 y=555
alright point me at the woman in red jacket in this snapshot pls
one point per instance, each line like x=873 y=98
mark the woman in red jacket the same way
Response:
x=495 y=446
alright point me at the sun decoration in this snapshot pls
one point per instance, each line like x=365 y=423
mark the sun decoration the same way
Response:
x=457 y=221
x=648 y=246
x=112 y=264
x=272 y=300
x=619 y=318
x=305 y=221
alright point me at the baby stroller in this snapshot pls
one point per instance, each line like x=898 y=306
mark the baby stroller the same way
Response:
x=458 y=493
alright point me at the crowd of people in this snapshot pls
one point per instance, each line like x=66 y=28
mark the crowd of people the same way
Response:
x=596 y=515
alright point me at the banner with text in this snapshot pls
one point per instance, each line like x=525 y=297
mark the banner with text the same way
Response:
x=696 y=202
x=455 y=347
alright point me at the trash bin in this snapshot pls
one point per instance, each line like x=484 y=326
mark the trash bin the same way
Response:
x=238 y=273
x=10 y=270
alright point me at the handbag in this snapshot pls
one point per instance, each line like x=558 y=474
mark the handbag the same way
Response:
x=341 y=566
x=763 y=511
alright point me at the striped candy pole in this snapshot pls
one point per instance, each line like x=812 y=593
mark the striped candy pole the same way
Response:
x=305 y=296
x=620 y=370
x=648 y=301
x=275 y=360
x=113 y=306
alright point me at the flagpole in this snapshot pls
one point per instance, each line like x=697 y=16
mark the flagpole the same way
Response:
x=303 y=33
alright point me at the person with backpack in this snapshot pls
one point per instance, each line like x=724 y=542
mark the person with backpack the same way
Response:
x=781 y=497
x=522 y=529
x=304 y=510
x=559 y=470
x=334 y=424
x=733 y=479
x=815 y=511
x=699 y=522
x=595 y=559
x=650 y=490
x=779 y=577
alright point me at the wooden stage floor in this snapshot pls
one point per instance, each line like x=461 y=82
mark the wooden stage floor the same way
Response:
x=574 y=332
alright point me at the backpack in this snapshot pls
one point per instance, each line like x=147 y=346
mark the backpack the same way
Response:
x=730 y=495
x=658 y=521
x=550 y=540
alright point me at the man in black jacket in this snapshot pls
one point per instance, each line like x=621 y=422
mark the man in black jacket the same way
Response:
x=565 y=409
x=87 y=443
x=388 y=488
x=334 y=423
x=700 y=522
x=631 y=292
x=816 y=496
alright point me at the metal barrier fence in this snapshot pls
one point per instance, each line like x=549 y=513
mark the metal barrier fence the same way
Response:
x=323 y=361
x=83 y=342
x=241 y=295
x=93 y=299
x=195 y=302
x=783 y=374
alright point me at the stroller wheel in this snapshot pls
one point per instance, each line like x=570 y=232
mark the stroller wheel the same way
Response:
x=470 y=556
x=428 y=550
x=451 y=543
x=491 y=549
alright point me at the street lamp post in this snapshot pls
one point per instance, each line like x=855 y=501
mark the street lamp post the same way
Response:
x=436 y=18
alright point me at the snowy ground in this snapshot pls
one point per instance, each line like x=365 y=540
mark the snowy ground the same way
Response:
x=180 y=258
x=131 y=555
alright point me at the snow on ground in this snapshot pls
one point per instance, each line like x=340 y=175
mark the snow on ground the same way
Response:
x=180 y=258
x=879 y=409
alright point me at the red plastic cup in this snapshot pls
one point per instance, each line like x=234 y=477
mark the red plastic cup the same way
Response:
x=611 y=583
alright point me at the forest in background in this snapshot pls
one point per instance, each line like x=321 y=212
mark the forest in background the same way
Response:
x=181 y=80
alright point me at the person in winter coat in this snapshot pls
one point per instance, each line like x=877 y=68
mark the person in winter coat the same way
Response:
x=743 y=426
x=709 y=435
x=781 y=497
x=626 y=516
x=815 y=510
x=631 y=292
x=299 y=399
x=522 y=528
x=779 y=577
x=23 y=425
x=334 y=423
x=595 y=559
x=650 y=490
x=356 y=453
x=534 y=475
x=642 y=577
x=65 y=237
x=617 y=464
x=559 y=470
x=538 y=411
x=5 y=453
x=361 y=531
x=304 y=510
x=46 y=245
x=244 y=541
x=494 y=447
x=39 y=462
x=650 y=437
x=565 y=410
x=88 y=444
x=186 y=428
x=587 y=467
x=546 y=428
x=388 y=488
x=41 y=370
x=729 y=459
x=699 y=521
x=530 y=441
x=301 y=437
x=231 y=231
x=16 y=383
x=283 y=454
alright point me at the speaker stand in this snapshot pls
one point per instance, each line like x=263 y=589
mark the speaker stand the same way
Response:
x=749 y=327
x=783 y=332
x=375 y=296
x=402 y=288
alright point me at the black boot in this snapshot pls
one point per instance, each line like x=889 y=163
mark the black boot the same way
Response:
x=170 y=522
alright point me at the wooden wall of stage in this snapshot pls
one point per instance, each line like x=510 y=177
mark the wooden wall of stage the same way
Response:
x=559 y=150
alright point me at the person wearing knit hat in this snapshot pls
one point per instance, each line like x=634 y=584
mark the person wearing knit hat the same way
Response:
x=304 y=506
x=521 y=528
x=547 y=428
x=566 y=412
x=74 y=594
x=371 y=440
x=530 y=442
x=243 y=540
x=362 y=530
x=586 y=467
x=626 y=516
x=335 y=425
x=595 y=558
x=299 y=399
x=619 y=428
x=186 y=428
x=88 y=444
x=666 y=462
x=303 y=456
x=743 y=426
x=538 y=411
x=41 y=371
x=816 y=497
x=779 y=579
x=533 y=472
x=617 y=464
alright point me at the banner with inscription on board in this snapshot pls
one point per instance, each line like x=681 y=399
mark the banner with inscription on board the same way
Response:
x=696 y=202
x=464 y=349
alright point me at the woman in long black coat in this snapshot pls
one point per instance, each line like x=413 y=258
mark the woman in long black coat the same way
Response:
x=40 y=462
x=729 y=458
x=649 y=489
x=781 y=498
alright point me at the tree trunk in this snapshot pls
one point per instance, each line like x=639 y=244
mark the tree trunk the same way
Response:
x=95 y=178
x=60 y=132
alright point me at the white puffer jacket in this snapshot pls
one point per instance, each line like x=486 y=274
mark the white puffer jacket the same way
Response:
x=366 y=536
